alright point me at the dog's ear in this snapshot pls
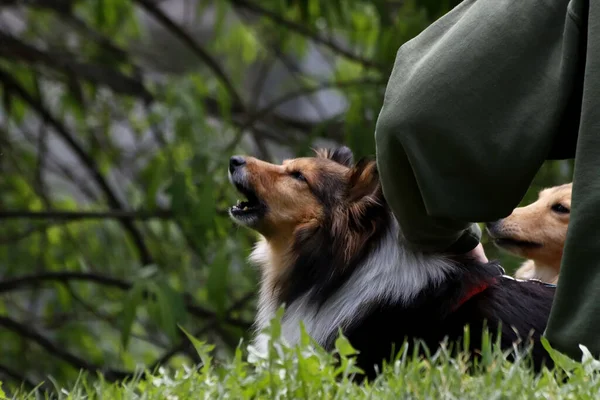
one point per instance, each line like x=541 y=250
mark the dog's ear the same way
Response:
x=341 y=155
x=363 y=184
x=363 y=208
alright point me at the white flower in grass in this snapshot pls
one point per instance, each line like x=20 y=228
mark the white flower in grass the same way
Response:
x=589 y=362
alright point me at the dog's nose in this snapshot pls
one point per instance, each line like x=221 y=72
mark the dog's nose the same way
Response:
x=236 y=162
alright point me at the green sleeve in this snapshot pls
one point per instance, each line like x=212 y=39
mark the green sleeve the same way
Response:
x=473 y=107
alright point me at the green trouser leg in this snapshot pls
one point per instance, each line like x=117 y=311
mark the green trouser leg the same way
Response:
x=575 y=316
x=473 y=107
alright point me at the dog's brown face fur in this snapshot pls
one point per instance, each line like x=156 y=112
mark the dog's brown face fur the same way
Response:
x=284 y=193
x=304 y=198
x=300 y=191
x=537 y=231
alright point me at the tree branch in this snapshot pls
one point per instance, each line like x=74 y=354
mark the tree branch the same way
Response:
x=13 y=49
x=17 y=377
x=62 y=5
x=10 y=284
x=184 y=344
x=112 y=375
x=176 y=30
x=79 y=215
x=58 y=352
x=307 y=32
x=13 y=86
x=83 y=215
x=269 y=108
x=18 y=236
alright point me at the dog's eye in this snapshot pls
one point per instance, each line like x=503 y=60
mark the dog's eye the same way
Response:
x=298 y=175
x=559 y=208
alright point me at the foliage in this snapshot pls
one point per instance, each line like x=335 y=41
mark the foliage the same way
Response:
x=116 y=124
x=309 y=372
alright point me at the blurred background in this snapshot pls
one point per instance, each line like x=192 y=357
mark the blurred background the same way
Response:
x=117 y=121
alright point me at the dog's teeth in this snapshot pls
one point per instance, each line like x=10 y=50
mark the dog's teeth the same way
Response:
x=245 y=208
x=238 y=202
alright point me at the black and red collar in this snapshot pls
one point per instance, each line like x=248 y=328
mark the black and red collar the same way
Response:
x=473 y=291
x=484 y=285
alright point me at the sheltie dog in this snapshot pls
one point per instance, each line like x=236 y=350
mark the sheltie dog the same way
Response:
x=331 y=251
x=537 y=232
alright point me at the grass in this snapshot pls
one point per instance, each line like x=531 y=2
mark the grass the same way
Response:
x=308 y=372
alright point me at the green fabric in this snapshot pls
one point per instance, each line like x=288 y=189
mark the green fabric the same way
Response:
x=474 y=105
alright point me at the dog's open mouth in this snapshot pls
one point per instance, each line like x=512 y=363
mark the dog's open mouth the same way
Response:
x=250 y=209
x=508 y=242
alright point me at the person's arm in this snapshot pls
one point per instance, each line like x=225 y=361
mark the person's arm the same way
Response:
x=472 y=109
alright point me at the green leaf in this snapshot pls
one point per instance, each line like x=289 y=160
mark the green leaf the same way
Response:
x=225 y=101
x=304 y=13
x=561 y=360
x=216 y=283
x=222 y=9
x=64 y=297
x=132 y=301
x=178 y=192
x=205 y=208
x=147 y=272
x=343 y=346
x=172 y=308
x=275 y=324
x=99 y=12
x=435 y=8
x=202 y=349
x=7 y=101
x=153 y=176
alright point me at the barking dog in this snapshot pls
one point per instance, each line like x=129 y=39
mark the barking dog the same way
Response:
x=537 y=232
x=332 y=252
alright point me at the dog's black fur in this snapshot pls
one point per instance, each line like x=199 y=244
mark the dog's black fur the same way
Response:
x=517 y=310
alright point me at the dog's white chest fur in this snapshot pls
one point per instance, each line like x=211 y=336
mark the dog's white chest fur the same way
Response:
x=389 y=274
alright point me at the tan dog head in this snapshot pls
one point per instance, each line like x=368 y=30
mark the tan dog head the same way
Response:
x=539 y=230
